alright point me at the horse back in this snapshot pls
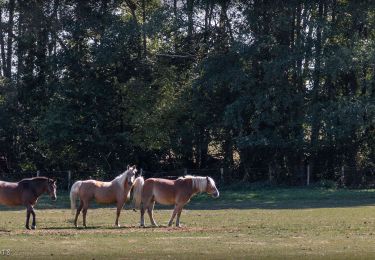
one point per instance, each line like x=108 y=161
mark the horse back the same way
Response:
x=10 y=194
x=102 y=192
x=164 y=191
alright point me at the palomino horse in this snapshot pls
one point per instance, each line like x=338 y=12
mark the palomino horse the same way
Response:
x=169 y=192
x=117 y=191
x=26 y=192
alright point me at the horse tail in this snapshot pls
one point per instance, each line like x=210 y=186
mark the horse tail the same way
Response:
x=137 y=192
x=74 y=194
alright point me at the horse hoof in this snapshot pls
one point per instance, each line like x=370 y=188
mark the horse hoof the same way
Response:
x=27 y=227
x=141 y=226
x=33 y=227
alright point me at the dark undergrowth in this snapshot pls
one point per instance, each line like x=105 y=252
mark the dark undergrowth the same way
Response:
x=250 y=196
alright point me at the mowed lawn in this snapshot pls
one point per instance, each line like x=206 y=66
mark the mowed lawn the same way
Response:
x=253 y=224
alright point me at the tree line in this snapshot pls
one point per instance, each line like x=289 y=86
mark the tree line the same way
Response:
x=256 y=87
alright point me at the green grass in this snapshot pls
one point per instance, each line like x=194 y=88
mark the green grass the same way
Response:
x=268 y=223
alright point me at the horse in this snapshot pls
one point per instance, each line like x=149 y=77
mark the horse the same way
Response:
x=116 y=192
x=169 y=192
x=26 y=192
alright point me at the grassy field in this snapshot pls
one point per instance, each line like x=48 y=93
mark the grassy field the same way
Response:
x=268 y=223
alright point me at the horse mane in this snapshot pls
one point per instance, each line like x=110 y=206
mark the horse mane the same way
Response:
x=31 y=183
x=199 y=182
x=121 y=178
x=34 y=179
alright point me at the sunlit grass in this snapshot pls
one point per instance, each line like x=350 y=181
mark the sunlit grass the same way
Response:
x=269 y=223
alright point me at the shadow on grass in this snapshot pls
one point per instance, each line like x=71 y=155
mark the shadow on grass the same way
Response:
x=79 y=228
x=286 y=198
x=306 y=204
x=73 y=228
x=266 y=198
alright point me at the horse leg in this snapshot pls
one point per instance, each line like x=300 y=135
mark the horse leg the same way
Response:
x=175 y=210
x=77 y=213
x=144 y=205
x=178 y=217
x=84 y=212
x=142 y=224
x=28 y=212
x=33 y=225
x=150 y=211
x=119 y=207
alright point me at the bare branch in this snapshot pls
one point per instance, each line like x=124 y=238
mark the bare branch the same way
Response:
x=187 y=56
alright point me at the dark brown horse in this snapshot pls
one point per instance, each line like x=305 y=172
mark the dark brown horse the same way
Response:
x=170 y=192
x=26 y=192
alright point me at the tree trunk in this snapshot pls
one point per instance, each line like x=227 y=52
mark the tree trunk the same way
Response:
x=2 y=44
x=20 y=48
x=143 y=29
x=133 y=7
x=202 y=148
x=190 y=9
x=41 y=49
x=224 y=38
x=175 y=16
x=10 y=39
x=315 y=124
x=54 y=30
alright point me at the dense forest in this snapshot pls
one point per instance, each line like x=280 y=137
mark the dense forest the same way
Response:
x=260 y=88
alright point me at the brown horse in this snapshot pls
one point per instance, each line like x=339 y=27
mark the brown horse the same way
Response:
x=169 y=192
x=26 y=192
x=115 y=192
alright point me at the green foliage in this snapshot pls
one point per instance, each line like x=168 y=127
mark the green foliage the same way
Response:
x=256 y=88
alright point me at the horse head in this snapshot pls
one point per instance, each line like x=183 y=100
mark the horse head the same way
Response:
x=51 y=189
x=211 y=187
x=130 y=175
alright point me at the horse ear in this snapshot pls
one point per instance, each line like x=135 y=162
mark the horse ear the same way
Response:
x=127 y=167
x=134 y=166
